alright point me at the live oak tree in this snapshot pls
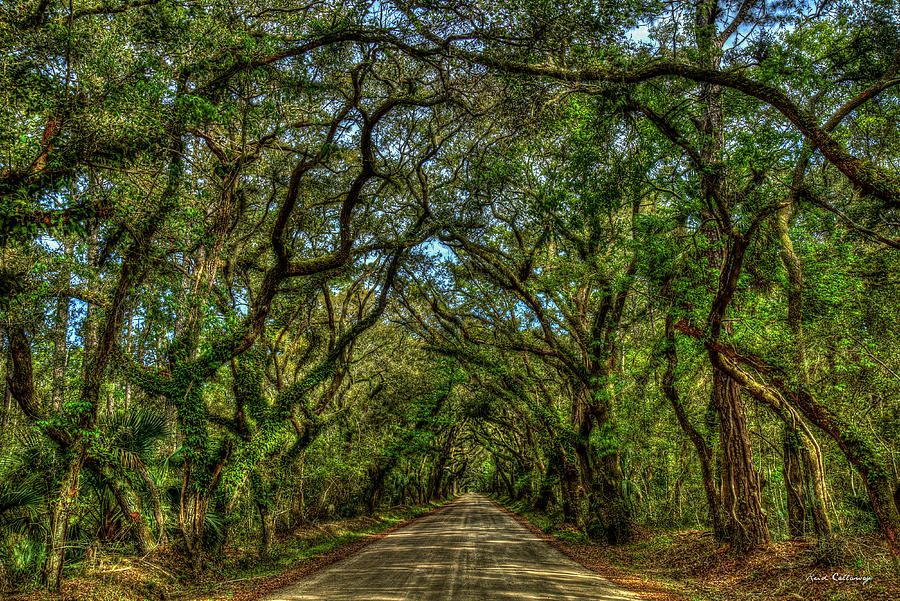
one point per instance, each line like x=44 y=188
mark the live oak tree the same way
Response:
x=690 y=44
x=287 y=261
x=220 y=139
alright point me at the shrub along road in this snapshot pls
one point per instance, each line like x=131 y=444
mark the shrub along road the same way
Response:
x=469 y=551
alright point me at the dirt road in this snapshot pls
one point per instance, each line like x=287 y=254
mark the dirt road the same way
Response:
x=469 y=551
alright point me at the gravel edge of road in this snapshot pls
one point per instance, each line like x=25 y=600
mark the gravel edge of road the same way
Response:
x=633 y=583
x=268 y=584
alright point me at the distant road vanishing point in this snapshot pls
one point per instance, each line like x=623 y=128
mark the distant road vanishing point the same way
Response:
x=468 y=551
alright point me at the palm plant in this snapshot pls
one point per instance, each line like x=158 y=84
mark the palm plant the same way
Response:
x=134 y=437
x=23 y=505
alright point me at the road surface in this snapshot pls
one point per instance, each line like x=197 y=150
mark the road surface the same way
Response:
x=468 y=551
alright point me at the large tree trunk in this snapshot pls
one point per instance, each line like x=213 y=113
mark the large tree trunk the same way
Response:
x=192 y=507
x=814 y=487
x=60 y=516
x=804 y=478
x=812 y=473
x=545 y=491
x=260 y=488
x=608 y=515
x=376 y=482
x=267 y=529
x=609 y=502
x=743 y=517
x=437 y=476
x=507 y=484
x=860 y=452
x=793 y=482
x=745 y=521
x=583 y=485
x=568 y=476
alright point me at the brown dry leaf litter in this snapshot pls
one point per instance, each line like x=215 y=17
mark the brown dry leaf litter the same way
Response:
x=696 y=566
x=161 y=575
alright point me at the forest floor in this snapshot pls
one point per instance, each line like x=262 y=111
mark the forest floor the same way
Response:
x=240 y=575
x=689 y=565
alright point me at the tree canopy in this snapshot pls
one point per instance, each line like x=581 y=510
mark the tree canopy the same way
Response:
x=634 y=261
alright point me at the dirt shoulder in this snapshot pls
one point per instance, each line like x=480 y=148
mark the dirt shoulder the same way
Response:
x=238 y=575
x=690 y=564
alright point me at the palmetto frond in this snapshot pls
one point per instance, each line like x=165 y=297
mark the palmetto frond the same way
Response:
x=20 y=505
x=135 y=434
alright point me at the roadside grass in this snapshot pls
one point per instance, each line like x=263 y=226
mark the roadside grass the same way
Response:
x=690 y=564
x=239 y=573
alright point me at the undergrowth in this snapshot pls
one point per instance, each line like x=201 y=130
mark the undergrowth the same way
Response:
x=691 y=564
x=164 y=575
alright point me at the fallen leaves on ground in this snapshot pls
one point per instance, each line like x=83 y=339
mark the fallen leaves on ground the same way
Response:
x=691 y=564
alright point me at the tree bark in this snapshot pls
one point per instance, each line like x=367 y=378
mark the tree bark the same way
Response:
x=611 y=506
x=743 y=517
x=814 y=496
x=793 y=481
x=60 y=515
x=262 y=498
x=267 y=529
x=607 y=502
x=437 y=476
x=569 y=483
x=745 y=521
x=859 y=451
x=192 y=510
x=545 y=490
x=815 y=492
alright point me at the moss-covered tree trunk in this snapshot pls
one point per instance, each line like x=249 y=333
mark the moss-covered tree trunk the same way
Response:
x=793 y=482
x=61 y=511
x=860 y=452
x=814 y=487
x=263 y=493
x=569 y=485
x=608 y=503
x=805 y=454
